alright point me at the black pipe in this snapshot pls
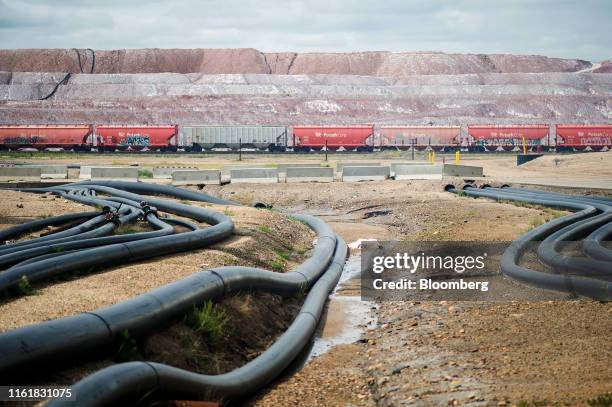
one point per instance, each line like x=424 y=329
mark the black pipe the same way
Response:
x=590 y=213
x=120 y=381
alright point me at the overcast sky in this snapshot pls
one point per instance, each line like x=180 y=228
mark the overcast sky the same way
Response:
x=558 y=28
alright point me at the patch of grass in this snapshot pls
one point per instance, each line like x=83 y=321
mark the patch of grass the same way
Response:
x=227 y=212
x=24 y=287
x=278 y=264
x=59 y=249
x=536 y=222
x=125 y=230
x=265 y=229
x=145 y=173
x=283 y=255
x=185 y=202
x=461 y=193
x=603 y=400
x=470 y=213
x=128 y=348
x=208 y=320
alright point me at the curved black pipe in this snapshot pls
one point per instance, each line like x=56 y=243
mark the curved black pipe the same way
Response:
x=42 y=223
x=117 y=382
x=570 y=226
x=31 y=345
x=141 y=187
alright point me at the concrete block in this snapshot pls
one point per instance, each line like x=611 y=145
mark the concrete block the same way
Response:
x=310 y=174
x=425 y=171
x=114 y=173
x=254 y=176
x=196 y=177
x=166 y=172
x=372 y=173
x=20 y=174
x=341 y=166
x=452 y=170
x=396 y=164
x=85 y=172
x=282 y=168
x=73 y=173
x=53 y=171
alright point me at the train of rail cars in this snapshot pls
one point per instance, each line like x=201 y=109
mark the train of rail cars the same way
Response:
x=304 y=138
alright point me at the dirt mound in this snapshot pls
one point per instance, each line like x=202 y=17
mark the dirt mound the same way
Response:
x=248 y=60
x=606 y=67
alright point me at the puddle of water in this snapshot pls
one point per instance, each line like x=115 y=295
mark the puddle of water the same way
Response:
x=346 y=316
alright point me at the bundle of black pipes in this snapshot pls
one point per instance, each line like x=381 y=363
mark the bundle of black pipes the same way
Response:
x=590 y=226
x=87 y=245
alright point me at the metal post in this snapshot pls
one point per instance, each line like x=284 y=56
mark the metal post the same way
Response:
x=325 y=149
x=412 y=141
x=240 y=149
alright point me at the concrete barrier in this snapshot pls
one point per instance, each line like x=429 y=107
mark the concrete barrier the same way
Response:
x=310 y=174
x=340 y=166
x=114 y=173
x=166 y=172
x=397 y=164
x=372 y=173
x=73 y=173
x=424 y=171
x=196 y=177
x=85 y=172
x=53 y=171
x=282 y=168
x=20 y=174
x=254 y=176
x=453 y=170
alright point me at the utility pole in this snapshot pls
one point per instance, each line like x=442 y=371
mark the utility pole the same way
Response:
x=240 y=149
x=412 y=141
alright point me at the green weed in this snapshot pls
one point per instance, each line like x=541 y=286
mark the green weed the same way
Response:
x=603 y=400
x=265 y=229
x=209 y=320
x=145 y=173
x=24 y=287
x=128 y=348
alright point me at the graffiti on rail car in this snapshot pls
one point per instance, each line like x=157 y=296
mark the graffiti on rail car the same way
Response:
x=135 y=140
x=23 y=140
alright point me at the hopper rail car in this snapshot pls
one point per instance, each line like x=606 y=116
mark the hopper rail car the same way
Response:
x=306 y=138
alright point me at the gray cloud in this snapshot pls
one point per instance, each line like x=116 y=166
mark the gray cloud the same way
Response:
x=558 y=28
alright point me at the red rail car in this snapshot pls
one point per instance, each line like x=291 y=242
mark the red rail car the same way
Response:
x=495 y=137
x=433 y=137
x=577 y=137
x=163 y=137
x=45 y=136
x=307 y=138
